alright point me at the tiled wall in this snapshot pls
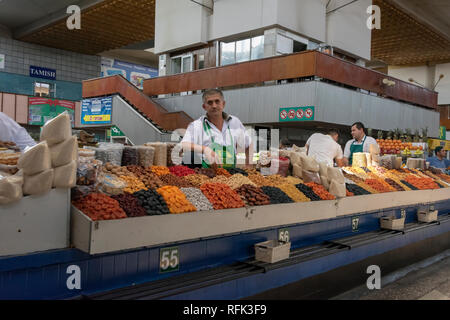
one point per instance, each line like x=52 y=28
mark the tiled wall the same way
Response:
x=69 y=66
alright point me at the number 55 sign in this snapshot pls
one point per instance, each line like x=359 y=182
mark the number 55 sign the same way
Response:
x=169 y=260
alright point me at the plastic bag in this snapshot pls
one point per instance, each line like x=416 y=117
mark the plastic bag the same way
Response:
x=336 y=175
x=324 y=181
x=64 y=152
x=359 y=159
x=87 y=171
x=110 y=152
x=35 y=159
x=57 y=129
x=79 y=192
x=39 y=183
x=10 y=188
x=170 y=146
x=129 y=156
x=65 y=176
x=110 y=184
x=309 y=163
x=160 y=158
x=280 y=166
x=387 y=162
x=297 y=171
x=309 y=176
x=323 y=169
x=338 y=189
x=146 y=156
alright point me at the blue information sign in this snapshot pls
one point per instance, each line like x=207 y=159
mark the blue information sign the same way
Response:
x=96 y=111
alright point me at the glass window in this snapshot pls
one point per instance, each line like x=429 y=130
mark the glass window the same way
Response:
x=227 y=53
x=243 y=50
x=257 y=48
x=187 y=64
x=176 y=65
x=201 y=61
x=41 y=89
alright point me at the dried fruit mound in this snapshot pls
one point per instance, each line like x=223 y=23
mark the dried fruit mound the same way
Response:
x=422 y=183
x=152 y=202
x=406 y=183
x=221 y=196
x=356 y=190
x=293 y=193
x=99 y=206
x=197 y=198
x=237 y=180
x=377 y=185
x=196 y=179
x=209 y=172
x=222 y=172
x=237 y=170
x=320 y=191
x=176 y=199
x=308 y=191
x=130 y=205
x=133 y=184
x=276 y=195
x=293 y=180
x=160 y=170
x=253 y=196
x=181 y=171
x=394 y=184
x=173 y=180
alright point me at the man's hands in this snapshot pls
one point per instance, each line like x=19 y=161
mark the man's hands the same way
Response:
x=211 y=156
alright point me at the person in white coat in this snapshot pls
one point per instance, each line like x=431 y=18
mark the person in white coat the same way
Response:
x=11 y=131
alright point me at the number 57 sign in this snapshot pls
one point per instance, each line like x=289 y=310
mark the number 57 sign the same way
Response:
x=169 y=260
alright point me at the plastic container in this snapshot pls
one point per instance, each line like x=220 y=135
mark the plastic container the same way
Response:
x=272 y=251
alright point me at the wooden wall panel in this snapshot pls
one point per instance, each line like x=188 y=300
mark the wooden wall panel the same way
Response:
x=22 y=109
x=9 y=105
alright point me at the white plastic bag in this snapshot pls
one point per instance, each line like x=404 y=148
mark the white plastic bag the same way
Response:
x=35 y=159
x=64 y=152
x=57 y=129
x=10 y=188
x=39 y=183
x=65 y=176
x=338 y=189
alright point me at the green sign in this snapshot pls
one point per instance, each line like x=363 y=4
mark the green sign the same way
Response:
x=442 y=133
x=169 y=260
x=116 y=132
x=40 y=110
x=283 y=235
x=355 y=224
x=296 y=114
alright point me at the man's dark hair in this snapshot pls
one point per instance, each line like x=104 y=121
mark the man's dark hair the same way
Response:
x=438 y=149
x=211 y=92
x=333 y=132
x=286 y=142
x=359 y=125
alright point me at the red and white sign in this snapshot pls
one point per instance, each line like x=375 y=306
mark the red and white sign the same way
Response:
x=283 y=114
x=291 y=114
x=300 y=113
x=309 y=113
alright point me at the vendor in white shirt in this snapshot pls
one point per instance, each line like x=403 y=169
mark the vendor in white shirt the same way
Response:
x=11 y=131
x=359 y=143
x=324 y=148
x=217 y=136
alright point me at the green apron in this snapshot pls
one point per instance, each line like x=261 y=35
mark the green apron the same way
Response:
x=226 y=153
x=356 y=148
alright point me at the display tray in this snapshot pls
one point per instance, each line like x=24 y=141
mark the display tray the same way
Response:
x=96 y=237
x=35 y=223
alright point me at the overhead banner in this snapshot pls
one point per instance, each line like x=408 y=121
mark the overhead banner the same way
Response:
x=134 y=73
x=296 y=114
x=40 y=110
x=96 y=111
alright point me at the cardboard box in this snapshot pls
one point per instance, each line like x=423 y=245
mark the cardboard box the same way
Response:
x=392 y=223
x=272 y=251
x=427 y=216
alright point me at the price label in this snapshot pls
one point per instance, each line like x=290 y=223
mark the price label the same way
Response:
x=403 y=213
x=283 y=235
x=169 y=260
x=432 y=207
x=355 y=224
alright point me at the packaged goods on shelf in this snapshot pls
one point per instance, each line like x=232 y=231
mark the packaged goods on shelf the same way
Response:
x=39 y=183
x=129 y=156
x=160 y=158
x=146 y=155
x=280 y=166
x=110 y=152
x=65 y=176
x=35 y=159
x=172 y=157
x=64 y=152
x=10 y=188
x=86 y=153
x=57 y=129
x=387 y=161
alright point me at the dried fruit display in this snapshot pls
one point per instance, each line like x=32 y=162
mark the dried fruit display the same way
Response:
x=253 y=196
x=176 y=200
x=133 y=184
x=99 y=206
x=181 y=171
x=276 y=195
x=152 y=202
x=160 y=170
x=221 y=196
x=130 y=205
x=320 y=191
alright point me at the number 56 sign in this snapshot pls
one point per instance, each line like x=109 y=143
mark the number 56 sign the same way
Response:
x=169 y=260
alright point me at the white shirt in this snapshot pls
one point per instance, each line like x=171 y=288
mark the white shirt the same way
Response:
x=324 y=149
x=366 y=146
x=11 y=131
x=196 y=134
